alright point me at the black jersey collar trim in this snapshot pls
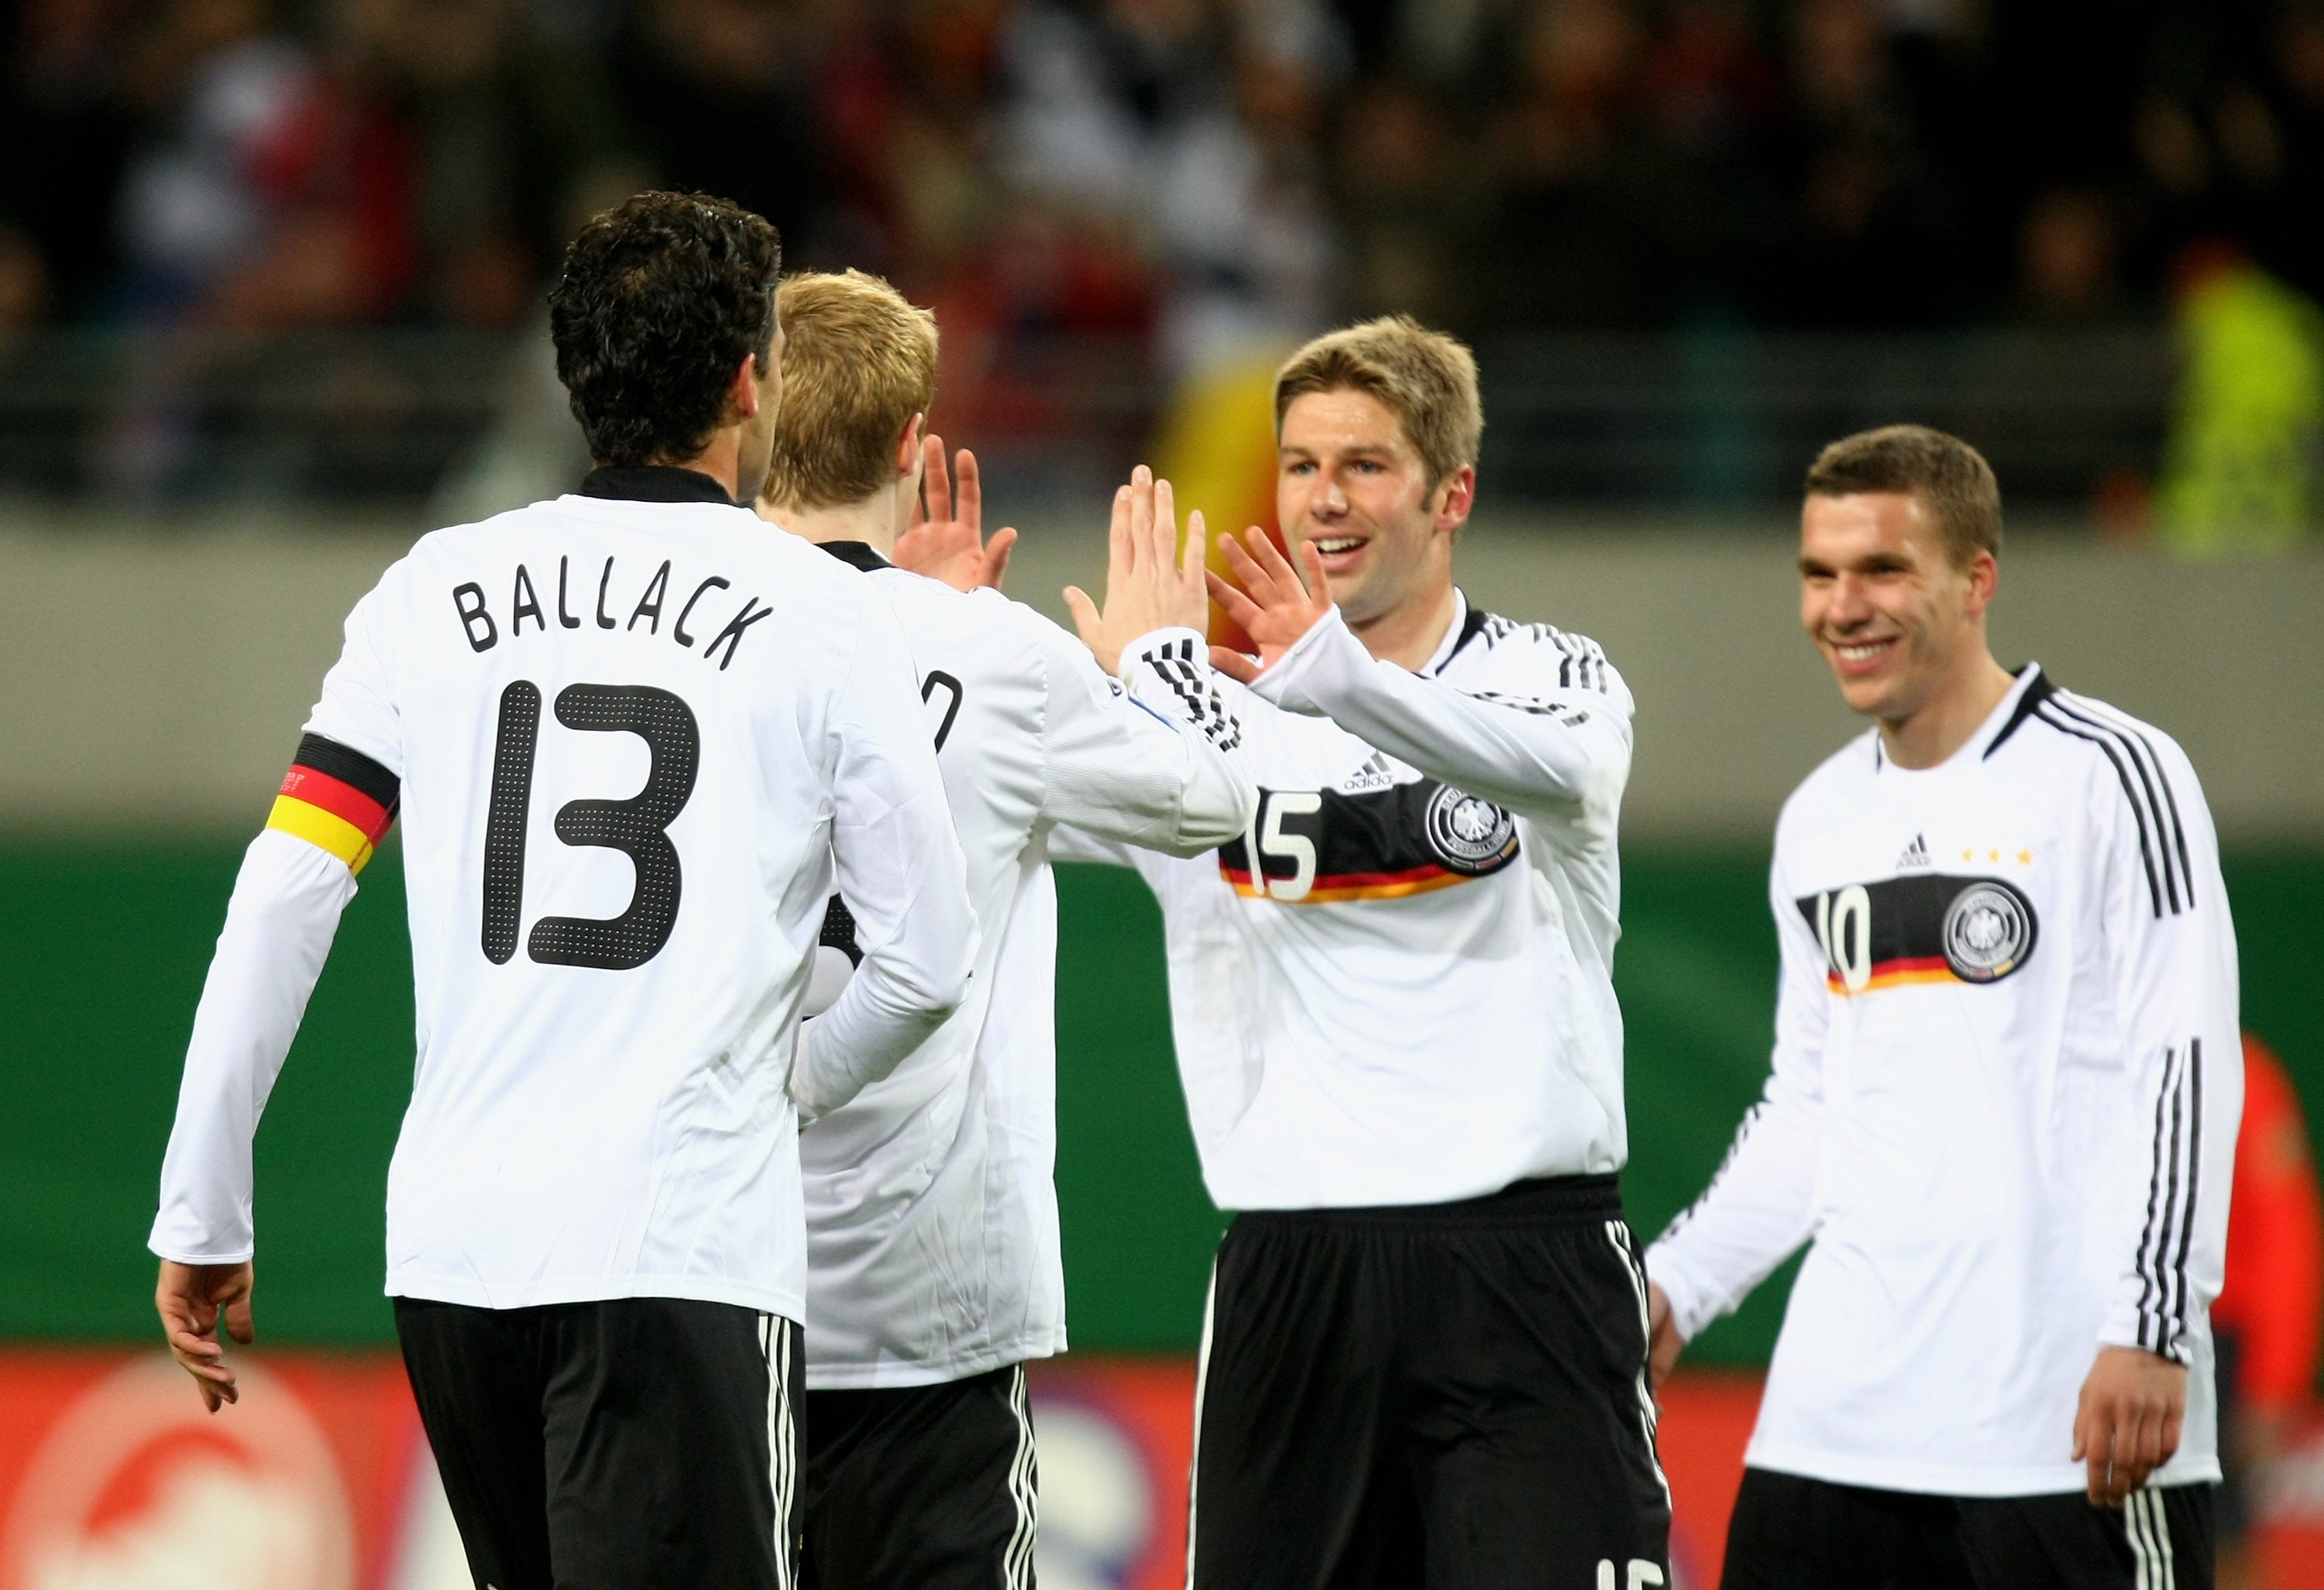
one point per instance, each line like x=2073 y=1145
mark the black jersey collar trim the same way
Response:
x=1472 y=624
x=856 y=554
x=2036 y=690
x=654 y=482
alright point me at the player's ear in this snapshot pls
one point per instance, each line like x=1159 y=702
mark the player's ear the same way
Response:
x=907 y=447
x=1456 y=495
x=742 y=391
x=1983 y=580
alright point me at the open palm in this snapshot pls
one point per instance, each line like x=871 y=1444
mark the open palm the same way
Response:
x=1273 y=606
x=945 y=537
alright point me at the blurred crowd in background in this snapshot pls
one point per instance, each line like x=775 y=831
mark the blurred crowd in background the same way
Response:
x=1180 y=178
x=1191 y=167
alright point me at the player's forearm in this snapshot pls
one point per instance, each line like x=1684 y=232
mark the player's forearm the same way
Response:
x=1754 y=1215
x=879 y=1019
x=1206 y=796
x=278 y=926
x=2190 y=1104
x=1524 y=753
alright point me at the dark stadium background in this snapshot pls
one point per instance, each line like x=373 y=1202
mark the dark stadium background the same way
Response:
x=270 y=279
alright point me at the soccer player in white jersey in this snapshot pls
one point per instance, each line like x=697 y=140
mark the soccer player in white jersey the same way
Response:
x=1423 y=1358
x=2004 y=1099
x=934 y=1270
x=634 y=738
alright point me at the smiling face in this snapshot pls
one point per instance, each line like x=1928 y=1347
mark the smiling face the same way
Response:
x=1897 y=618
x=1348 y=480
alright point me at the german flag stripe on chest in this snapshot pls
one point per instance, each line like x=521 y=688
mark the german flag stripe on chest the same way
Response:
x=1920 y=928
x=336 y=799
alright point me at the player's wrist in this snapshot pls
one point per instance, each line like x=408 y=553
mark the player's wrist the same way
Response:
x=1168 y=643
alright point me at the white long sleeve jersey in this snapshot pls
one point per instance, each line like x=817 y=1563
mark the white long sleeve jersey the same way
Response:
x=2003 y=1105
x=1396 y=986
x=932 y=1213
x=633 y=742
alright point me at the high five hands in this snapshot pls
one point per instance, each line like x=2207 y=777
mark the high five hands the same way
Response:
x=945 y=545
x=1150 y=583
x=1274 y=607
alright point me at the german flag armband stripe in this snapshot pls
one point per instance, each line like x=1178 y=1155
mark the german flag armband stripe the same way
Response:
x=336 y=799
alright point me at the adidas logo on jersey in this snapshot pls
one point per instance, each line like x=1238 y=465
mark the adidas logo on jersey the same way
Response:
x=1916 y=854
x=1374 y=775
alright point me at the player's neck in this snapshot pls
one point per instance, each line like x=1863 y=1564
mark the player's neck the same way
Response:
x=1409 y=633
x=871 y=521
x=721 y=459
x=1955 y=711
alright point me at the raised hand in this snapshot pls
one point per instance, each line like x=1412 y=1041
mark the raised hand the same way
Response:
x=1273 y=607
x=193 y=1300
x=2127 y=1425
x=945 y=545
x=1150 y=583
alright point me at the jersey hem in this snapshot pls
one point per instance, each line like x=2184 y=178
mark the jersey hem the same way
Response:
x=440 y=1288
x=2039 y=1479
x=897 y=1375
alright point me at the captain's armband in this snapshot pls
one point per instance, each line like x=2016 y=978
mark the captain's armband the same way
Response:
x=336 y=799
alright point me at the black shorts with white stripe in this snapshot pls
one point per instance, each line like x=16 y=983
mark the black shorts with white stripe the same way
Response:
x=1789 y=1532
x=633 y=1443
x=921 y=1487
x=1448 y=1394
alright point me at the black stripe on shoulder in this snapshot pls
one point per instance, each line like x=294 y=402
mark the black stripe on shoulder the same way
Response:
x=2131 y=790
x=348 y=766
x=1470 y=628
x=2038 y=692
x=2177 y=881
x=2100 y=714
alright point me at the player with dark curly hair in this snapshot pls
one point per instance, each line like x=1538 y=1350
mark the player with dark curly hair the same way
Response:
x=639 y=739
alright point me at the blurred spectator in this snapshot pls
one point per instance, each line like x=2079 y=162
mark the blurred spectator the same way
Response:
x=1870 y=238
x=505 y=140
x=2244 y=467
x=1239 y=213
x=716 y=96
x=60 y=96
x=1412 y=207
x=1580 y=226
x=2269 y=1315
x=2068 y=260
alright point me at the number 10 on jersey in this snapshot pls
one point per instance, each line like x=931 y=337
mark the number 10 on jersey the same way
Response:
x=638 y=827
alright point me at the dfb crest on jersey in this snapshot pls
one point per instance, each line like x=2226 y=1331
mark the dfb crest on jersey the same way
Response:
x=1470 y=834
x=1988 y=930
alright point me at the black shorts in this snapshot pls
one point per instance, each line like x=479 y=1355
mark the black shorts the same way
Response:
x=1452 y=1395
x=628 y=1445
x=1792 y=1533
x=921 y=1487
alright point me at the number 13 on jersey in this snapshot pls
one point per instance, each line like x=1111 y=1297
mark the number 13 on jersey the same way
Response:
x=638 y=827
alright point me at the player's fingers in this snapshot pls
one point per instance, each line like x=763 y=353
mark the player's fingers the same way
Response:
x=996 y=554
x=1141 y=515
x=1161 y=549
x=1190 y=555
x=1270 y=557
x=1234 y=664
x=968 y=491
x=239 y=1323
x=1256 y=587
x=1240 y=608
x=1312 y=561
x=1117 y=546
x=935 y=485
x=1085 y=612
